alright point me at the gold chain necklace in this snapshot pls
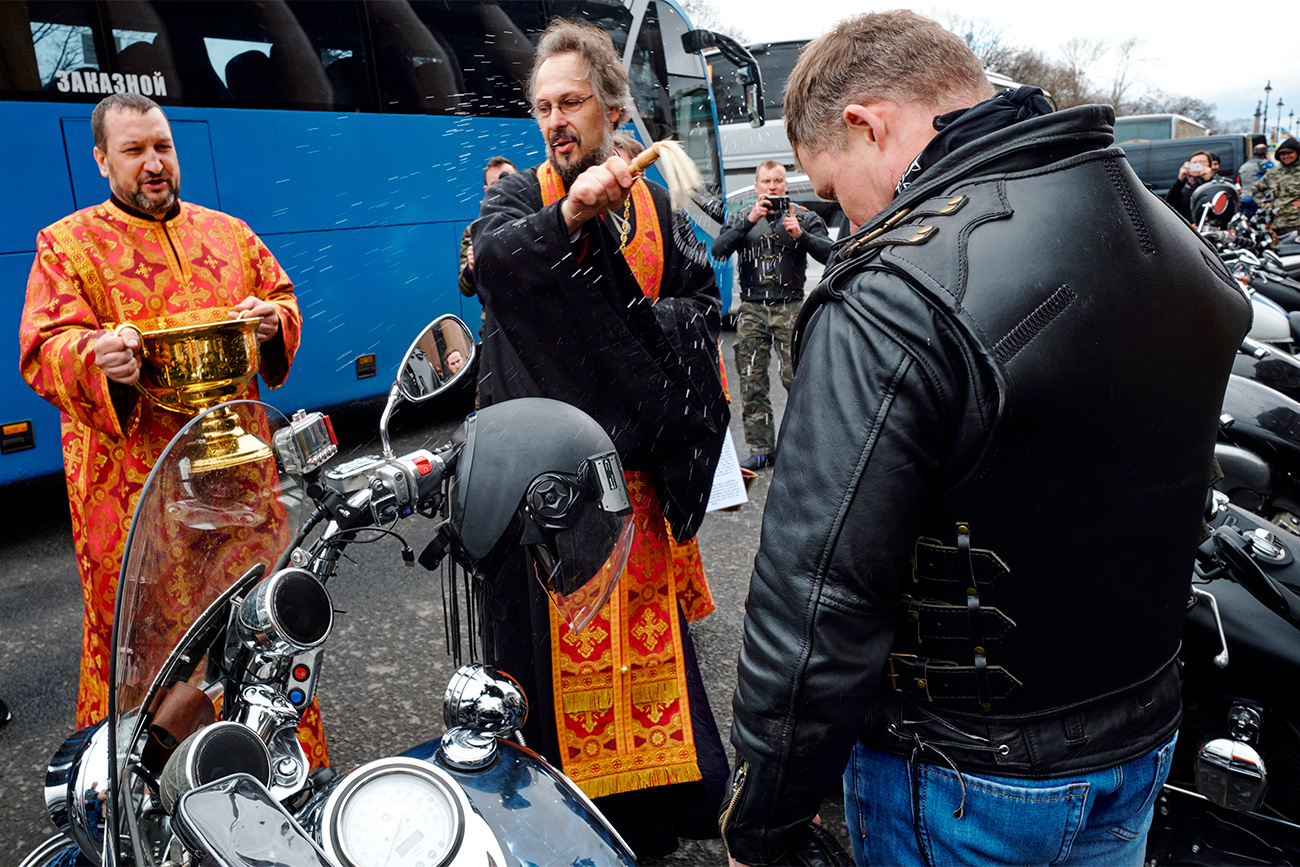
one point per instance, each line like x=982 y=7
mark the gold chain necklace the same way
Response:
x=624 y=223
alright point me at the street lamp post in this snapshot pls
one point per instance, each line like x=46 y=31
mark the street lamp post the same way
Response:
x=1279 y=118
x=1268 y=90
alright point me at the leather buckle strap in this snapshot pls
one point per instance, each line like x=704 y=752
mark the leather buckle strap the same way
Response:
x=939 y=621
x=950 y=565
x=941 y=680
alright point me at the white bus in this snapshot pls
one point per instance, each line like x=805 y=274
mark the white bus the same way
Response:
x=1152 y=127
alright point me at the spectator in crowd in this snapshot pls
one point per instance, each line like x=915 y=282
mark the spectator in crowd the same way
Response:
x=1191 y=175
x=774 y=245
x=144 y=255
x=598 y=294
x=916 y=611
x=1281 y=184
x=1251 y=171
x=496 y=168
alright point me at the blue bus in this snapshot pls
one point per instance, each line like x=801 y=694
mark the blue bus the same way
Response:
x=350 y=134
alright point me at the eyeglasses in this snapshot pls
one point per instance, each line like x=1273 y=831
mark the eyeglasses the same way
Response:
x=566 y=106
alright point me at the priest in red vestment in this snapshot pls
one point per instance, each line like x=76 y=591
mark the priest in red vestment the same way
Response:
x=597 y=294
x=145 y=257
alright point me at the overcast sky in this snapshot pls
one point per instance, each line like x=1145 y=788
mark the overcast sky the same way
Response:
x=1227 y=66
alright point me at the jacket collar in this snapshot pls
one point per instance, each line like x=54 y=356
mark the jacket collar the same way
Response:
x=1025 y=144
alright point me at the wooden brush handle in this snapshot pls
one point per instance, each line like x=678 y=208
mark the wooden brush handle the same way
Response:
x=644 y=160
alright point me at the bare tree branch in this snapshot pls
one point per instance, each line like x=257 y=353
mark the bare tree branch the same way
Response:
x=704 y=14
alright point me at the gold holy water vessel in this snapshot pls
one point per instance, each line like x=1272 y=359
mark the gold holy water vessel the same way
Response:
x=191 y=368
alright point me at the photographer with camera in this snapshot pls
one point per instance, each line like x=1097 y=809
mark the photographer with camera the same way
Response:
x=1196 y=171
x=774 y=239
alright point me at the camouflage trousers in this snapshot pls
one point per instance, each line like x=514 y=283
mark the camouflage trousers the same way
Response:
x=759 y=327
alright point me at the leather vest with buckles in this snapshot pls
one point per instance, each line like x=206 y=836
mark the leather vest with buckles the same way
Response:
x=1021 y=602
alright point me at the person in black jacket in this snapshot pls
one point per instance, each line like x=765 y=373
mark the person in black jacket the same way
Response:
x=1196 y=171
x=774 y=248
x=598 y=294
x=950 y=607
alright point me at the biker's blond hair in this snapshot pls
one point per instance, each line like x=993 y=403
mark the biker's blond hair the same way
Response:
x=895 y=56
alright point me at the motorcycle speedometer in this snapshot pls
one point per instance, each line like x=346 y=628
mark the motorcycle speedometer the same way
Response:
x=394 y=813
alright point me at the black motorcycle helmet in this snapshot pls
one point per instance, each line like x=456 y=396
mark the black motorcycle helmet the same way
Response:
x=541 y=474
x=1222 y=199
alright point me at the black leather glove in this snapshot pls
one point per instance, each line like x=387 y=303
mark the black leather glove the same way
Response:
x=814 y=846
x=817 y=847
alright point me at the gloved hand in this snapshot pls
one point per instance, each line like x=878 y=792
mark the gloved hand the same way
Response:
x=814 y=847
x=818 y=847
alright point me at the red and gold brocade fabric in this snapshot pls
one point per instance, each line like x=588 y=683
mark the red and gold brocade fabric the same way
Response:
x=622 y=714
x=93 y=270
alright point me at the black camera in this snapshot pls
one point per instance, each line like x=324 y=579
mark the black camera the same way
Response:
x=778 y=205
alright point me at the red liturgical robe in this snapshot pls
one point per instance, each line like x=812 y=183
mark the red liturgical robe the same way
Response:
x=95 y=269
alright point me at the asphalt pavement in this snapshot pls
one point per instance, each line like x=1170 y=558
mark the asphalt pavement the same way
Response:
x=386 y=664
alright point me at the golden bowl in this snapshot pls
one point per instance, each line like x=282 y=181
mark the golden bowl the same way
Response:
x=190 y=368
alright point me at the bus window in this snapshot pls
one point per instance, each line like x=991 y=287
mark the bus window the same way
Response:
x=455 y=58
x=247 y=54
x=671 y=96
x=53 y=50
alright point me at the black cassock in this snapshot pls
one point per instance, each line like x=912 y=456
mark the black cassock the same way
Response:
x=568 y=321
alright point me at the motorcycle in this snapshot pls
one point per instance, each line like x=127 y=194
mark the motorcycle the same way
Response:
x=1244 y=249
x=1258 y=446
x=1233 y=793
x=223 y=613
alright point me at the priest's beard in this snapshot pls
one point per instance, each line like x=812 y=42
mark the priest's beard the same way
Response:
x=569 y=171
x=153 y=205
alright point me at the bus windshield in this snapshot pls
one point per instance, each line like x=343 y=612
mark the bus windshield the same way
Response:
x=350 y=135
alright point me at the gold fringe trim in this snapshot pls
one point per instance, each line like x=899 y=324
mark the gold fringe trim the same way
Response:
x=655 y=692
x=630 y=781
x=588 y=701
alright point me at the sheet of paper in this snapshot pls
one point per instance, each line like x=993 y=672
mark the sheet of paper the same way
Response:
x=728 y=486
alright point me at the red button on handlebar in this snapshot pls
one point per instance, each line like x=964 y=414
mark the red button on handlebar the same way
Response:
x=423 y=465
x=301 y=672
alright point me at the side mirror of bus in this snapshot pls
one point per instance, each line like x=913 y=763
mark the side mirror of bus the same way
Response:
x=748 y=74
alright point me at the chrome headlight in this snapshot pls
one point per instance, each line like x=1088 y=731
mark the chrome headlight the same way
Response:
x=80 y=763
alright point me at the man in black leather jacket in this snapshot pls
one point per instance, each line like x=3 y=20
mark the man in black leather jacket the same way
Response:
x=973 y=573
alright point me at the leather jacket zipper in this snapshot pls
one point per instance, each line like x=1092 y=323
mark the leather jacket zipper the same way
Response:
x=737 y=788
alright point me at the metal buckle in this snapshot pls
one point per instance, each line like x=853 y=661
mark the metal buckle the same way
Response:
x=893 y=675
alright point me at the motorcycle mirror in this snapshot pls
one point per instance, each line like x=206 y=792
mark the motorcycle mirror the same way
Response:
x=440 y=357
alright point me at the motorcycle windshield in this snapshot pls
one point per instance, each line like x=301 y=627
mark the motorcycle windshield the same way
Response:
x=216 y=505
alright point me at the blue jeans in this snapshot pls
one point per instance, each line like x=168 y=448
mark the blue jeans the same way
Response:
x=1097 y=818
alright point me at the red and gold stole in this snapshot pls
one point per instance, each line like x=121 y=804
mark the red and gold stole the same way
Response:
x=621 y=710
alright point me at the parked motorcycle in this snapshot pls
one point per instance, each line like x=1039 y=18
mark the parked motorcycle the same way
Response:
x=1258 y=446
x=1233 y=794
x=223 y=613
x=1243 y=247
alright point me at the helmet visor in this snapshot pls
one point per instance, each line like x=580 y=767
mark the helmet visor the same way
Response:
x=580 y=566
